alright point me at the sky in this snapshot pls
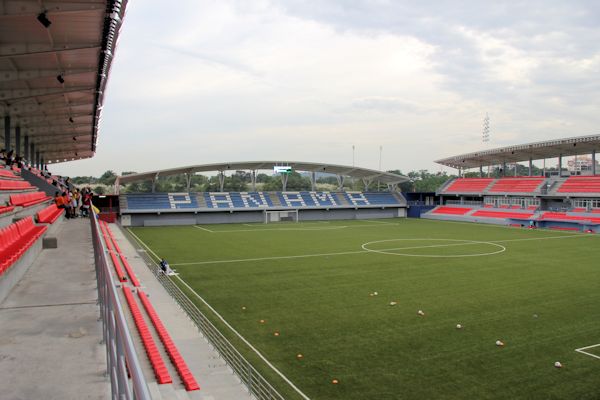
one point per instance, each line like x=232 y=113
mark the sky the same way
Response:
x=197 y=81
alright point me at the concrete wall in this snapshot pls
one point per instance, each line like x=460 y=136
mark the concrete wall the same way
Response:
x=227 y=217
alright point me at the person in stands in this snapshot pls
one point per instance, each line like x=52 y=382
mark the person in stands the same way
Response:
x=67 y=201
x=60 y=203
x=86 y=202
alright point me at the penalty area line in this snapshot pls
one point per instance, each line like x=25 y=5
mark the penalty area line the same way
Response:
x=581 y=350
x=204 y=229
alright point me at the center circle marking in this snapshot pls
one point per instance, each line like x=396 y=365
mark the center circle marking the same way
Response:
x=457 y=242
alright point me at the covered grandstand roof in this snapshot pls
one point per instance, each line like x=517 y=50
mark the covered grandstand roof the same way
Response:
x=55 y=57
x=343 y=170
x=524 y=152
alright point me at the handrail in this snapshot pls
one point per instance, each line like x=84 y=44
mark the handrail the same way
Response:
x=121 y=357
x=254 y=381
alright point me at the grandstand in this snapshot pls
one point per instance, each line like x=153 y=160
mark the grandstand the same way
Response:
x=553 y=200
x=188 y=208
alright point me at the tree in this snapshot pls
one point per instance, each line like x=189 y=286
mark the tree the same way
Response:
x=99 y=190
x=108 y=178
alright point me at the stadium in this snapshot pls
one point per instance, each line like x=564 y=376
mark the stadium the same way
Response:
x=278 y=279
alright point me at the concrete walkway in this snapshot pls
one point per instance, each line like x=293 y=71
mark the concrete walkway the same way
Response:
x=217 y=381
x=49 y=330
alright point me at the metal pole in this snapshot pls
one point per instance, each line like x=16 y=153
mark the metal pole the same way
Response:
x=18 y=141
x=7 y=133
x=26 y=147
x=530 y=167
x=560 y=165
x=593 y=162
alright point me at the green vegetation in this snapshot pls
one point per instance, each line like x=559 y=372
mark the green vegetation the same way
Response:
x=540 y=296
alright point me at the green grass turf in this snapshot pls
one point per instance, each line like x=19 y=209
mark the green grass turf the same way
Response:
x=322 y=308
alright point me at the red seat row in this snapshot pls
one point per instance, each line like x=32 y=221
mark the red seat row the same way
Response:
x=564 y=217
x=111 y=238
x=581 y=184
x=516 y=185
x=579 y=210
x=6 y=184
x=501 y=214
x=451 y=210
x=28 y=199
x=469 y=185
x=158 y=365
x=5 y=209
x=16 y=239
x=120 y=275
x=182 y=369
x=49 y=214
x=6 y=173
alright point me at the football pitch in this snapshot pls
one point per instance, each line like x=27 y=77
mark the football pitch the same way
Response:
x=346 y=296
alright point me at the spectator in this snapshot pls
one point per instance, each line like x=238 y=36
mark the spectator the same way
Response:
x=60 y=203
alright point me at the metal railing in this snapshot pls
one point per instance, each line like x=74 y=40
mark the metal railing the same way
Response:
x=465 y=202
x=257 y=385
x=123 y=366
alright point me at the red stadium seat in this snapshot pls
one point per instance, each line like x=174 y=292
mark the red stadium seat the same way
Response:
x=6 y=184
x=49 y=214
x=451 y=210
x=501 y=214
x=517 y=185
x=469 y=185
x=16 y=239
x=28 y=199
x=581 y=184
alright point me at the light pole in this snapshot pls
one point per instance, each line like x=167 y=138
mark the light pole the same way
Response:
x=380 y=151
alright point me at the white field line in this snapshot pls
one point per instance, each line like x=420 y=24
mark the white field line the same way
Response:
x=378 y=222
x=204 y=229
x=581 y=350
x=328 y=228
x=357 y=251
x=258 y=353
x=271 y=258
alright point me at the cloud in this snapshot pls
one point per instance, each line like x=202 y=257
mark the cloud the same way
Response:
x=238 y=80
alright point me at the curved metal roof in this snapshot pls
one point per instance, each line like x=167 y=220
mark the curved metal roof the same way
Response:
x=524 y=152
x=55 y=57
x=343 y=170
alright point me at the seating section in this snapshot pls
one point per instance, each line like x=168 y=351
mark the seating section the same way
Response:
x=6 y=173
x=16 y=239
x=158 y=201
x=451 y=210
x=158 y=365
x=563 y=216
x=579 y=210
x=117 y=265
x=517 y=185
x=28 y=199
x=9 y=184
x=180 y=365
x=111 y=239
x=49 y=214
x=581 y=184
x=469 y=185
x=257 y=200
x=6 y=209
x=502 y=214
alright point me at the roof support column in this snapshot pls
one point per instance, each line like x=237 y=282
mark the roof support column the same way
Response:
x=593 y=162
x=340 y=180
x=366 y=182
x=313 y=181
x=154 y=182
x=221 y=180
x=284 y=179
x=504 y=168
x=37 y=159
x=31 y=154
x=7 y=133
x=544 y=172
x=41 y=162
x=253 y=180
x=481 y=171
x=188 y=181
x=18 y=141
x=516 y=165
x=530 y=167
x=559 y=165
x=26 y=147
